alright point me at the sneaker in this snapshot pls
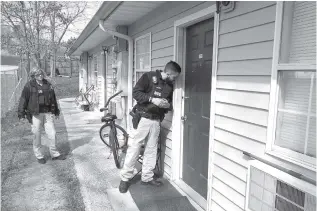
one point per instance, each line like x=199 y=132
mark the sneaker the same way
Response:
x=153 y=182
x=61 y=157
x=41 y=161
x=123 y=187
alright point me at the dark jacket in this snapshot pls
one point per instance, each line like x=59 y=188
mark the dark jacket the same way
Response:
x=29 y=101
x=152 y=85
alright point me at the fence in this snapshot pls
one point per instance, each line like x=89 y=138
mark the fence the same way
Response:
x=68 y=67
x=11 y=88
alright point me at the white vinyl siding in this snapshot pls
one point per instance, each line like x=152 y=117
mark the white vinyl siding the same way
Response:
x=242 y=98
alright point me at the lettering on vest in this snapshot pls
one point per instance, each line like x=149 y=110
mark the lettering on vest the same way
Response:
x=157 y=94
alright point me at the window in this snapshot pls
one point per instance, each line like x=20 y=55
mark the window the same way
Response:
x=270 y=189
x=142 y=60
x=293 y=93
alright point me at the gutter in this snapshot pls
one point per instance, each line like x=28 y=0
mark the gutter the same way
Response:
x=130 y=65
x=105 y=10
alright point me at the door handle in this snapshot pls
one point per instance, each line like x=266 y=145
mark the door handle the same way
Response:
x=184 y=118
x=185 y=97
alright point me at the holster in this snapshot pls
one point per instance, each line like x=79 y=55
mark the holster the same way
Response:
x=136 y=116
x=29 y=116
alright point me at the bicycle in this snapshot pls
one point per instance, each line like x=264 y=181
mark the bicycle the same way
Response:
x=84 y=95
x=111 y=132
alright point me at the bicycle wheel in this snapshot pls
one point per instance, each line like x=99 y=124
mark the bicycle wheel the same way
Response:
x=118 y=140
x=120 y=133
x=104 y=134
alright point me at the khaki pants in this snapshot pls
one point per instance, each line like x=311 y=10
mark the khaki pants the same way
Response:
x=149 y=129
x=38 y=121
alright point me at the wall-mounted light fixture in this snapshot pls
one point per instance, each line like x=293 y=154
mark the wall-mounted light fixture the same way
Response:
x=227 y=6
x=115 y=49
x=105 y=49
x=225 y=3
x=90 y=57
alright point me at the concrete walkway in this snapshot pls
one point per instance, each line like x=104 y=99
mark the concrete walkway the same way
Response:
x=95 y=173
x=99 y=177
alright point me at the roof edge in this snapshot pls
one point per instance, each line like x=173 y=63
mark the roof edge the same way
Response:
x=103 y=12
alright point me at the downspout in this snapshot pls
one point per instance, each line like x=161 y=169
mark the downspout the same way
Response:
x=130 y=66
x=105 y=70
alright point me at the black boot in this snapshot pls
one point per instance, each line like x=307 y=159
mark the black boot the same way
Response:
x=41 y=161
x=60 y=157
x=123 y=187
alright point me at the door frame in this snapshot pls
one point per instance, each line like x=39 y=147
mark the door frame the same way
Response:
x=178 y=101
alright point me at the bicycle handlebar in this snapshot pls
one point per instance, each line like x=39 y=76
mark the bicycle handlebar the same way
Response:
x=108 y=101
x=103 y=109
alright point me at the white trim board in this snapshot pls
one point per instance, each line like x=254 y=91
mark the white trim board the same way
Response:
x=179 y=57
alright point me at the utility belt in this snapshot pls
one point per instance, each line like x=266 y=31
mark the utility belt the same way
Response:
x=44 y=109
x=137 y=114
x=150 y=116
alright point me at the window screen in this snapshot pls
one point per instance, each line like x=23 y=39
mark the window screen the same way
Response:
x=299 y=33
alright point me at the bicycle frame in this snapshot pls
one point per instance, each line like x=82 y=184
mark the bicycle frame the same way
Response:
x=84 y=95
x=114 y=133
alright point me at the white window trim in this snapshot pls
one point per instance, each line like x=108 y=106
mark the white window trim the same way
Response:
x=146 y=69
x=280 y=175
x=271 y=149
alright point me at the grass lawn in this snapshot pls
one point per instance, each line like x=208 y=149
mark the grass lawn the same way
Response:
x=66 y=87
x=28 y=185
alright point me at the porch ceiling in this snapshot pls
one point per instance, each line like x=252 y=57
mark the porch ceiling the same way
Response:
x=122 y=14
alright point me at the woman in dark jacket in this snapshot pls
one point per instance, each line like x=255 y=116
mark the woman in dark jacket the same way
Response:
x=39 y=105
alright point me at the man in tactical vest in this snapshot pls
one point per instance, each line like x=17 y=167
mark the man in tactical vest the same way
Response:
x=153 y=93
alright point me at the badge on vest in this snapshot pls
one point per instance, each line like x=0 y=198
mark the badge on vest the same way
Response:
x=157 y=94
x=154 y=78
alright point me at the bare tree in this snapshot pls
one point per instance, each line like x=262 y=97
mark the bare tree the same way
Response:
x=61 y=16
x=40 y=26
